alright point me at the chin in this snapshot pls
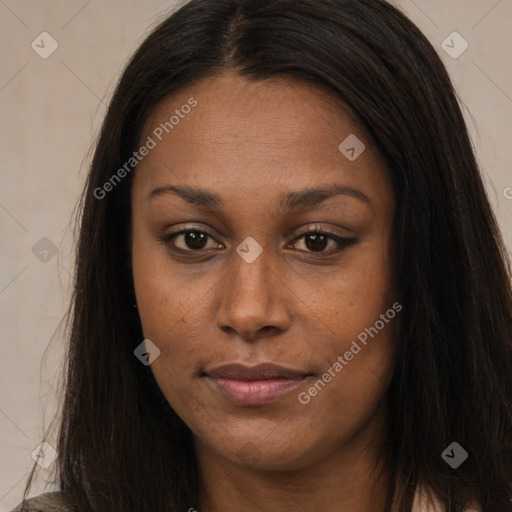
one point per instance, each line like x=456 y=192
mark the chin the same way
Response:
x=268 y=455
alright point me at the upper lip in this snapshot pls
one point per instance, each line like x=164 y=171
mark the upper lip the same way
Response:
x=263 y=371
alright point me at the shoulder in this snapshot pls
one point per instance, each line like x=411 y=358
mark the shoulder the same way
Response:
x=47 y=502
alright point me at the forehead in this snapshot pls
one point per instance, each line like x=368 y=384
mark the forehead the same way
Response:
x=249 y=134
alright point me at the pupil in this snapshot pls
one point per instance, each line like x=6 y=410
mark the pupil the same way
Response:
x=195 y=240
x=318 y=242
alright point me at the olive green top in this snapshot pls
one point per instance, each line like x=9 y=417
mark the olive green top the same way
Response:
x=47 y=502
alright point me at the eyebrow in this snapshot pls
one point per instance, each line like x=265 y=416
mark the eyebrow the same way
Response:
x=292 y=201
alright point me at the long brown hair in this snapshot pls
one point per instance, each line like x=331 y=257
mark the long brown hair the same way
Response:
x=121 y=446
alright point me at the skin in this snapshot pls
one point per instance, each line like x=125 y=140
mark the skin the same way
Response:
x=297 y=305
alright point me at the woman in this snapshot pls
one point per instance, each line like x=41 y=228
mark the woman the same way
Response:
x=291 y=290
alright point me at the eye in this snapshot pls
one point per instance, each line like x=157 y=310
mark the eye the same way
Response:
x=192 y=240
x=316 y=241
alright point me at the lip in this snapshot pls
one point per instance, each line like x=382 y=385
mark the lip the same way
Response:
x=254 y=385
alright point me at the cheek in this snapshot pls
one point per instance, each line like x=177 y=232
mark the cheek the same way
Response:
x=162 y=312
x=352 y=297
x=356 y=309
x=166 y=320
x=356 y=369
x=164 y=292
x=171 y=305
x=159 y=299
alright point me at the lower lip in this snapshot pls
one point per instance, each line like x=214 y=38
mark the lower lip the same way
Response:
x=255 y=392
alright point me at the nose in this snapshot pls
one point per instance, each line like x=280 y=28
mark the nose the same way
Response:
x=253 y=299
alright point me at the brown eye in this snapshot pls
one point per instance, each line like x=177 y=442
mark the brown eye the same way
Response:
x=192 y=240
x=317 y=241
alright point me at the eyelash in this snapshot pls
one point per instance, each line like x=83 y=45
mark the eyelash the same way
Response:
x=342 y=243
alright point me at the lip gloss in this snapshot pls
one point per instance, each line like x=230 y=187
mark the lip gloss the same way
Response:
x=254 y=392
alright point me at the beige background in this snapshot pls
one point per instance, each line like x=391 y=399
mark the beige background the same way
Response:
x=52 y=108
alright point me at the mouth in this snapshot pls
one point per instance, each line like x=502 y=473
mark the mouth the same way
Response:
x=255 y=385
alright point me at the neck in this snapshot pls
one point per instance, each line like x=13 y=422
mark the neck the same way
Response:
x=346 y=480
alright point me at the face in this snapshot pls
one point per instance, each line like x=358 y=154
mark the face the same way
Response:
x=229 y=267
